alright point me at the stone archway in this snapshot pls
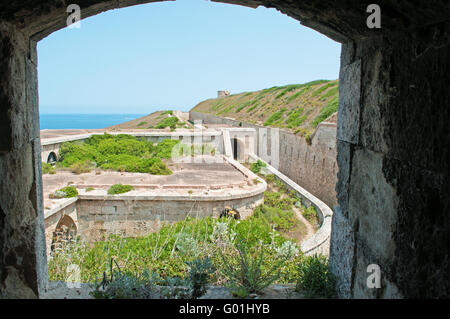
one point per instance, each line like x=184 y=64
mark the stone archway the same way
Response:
x=394 y=177
x=65 y=232
x=52 y=158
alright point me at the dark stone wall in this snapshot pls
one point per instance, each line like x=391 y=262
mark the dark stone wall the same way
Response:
x=22 y=256
x=393 y=187
x=392 y=148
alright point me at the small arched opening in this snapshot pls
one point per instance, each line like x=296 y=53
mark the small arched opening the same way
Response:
x=65 y=232
x=52 y=158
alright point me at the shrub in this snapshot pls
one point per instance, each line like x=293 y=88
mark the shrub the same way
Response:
x=256 y=166
x=119 y=189
x=310 y=214
x=142 y=123
x=82 y=167
x=167 y=122
x=157 y=251
x=126 y=285
x=280 y=219
x=118 y=152
x=164 y=148
x=199 y=276
x=65 y=192
x=48 y=168
x=315 y=279
x=134 y=164
x=274 y=199
x=245 y=271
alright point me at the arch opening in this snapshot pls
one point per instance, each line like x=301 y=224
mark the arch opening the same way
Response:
x=52 y=158
x=65 y=232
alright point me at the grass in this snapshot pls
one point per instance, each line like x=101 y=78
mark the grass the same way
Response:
x=315 y=279
x=245 y=255
x=256 y=166
x=119 y=189
x=326 y=111
x=297 y=107
x=65 y=192
x=331 y=92
x=275 y=117
x=167 y=122
x=323 y=88
x=48 y=168
x=82 y=167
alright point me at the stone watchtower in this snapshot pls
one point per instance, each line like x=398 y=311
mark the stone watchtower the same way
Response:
x=221 y=94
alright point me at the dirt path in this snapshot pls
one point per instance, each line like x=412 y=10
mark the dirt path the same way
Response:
x=309 y=228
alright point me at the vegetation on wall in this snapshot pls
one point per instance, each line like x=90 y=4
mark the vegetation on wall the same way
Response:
x=65 y=192
x=124 y=153
x=245 y=255
x=119 y=189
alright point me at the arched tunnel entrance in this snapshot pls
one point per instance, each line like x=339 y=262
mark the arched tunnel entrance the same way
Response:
x=65 y=232
x=393 y=156
x=52 y=158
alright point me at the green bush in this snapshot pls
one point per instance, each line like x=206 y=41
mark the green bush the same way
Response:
x=274 y=199
x=119 y=189
x=315 y=278
x=246 y=271
x=142 y=123
x=48 y=168
x=256 y=166
x=278 y=218
x=167 y=122
x=82 y=167
x=65 y=192
x=121 y=152
x=199 y=276
x=164 y=148
x=133 y=164
x=310 y=214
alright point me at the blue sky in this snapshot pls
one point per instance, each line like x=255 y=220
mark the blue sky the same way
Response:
x=173 y=55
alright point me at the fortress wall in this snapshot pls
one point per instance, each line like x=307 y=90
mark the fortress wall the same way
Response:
x=319 y=243
x=312 y=166
x=139 y=217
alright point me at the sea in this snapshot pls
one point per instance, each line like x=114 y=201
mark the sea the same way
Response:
x=83 y=121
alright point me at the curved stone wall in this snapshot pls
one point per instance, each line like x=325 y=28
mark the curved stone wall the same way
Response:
x=319 y=243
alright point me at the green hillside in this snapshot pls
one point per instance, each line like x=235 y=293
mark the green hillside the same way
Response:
x=297 y=107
